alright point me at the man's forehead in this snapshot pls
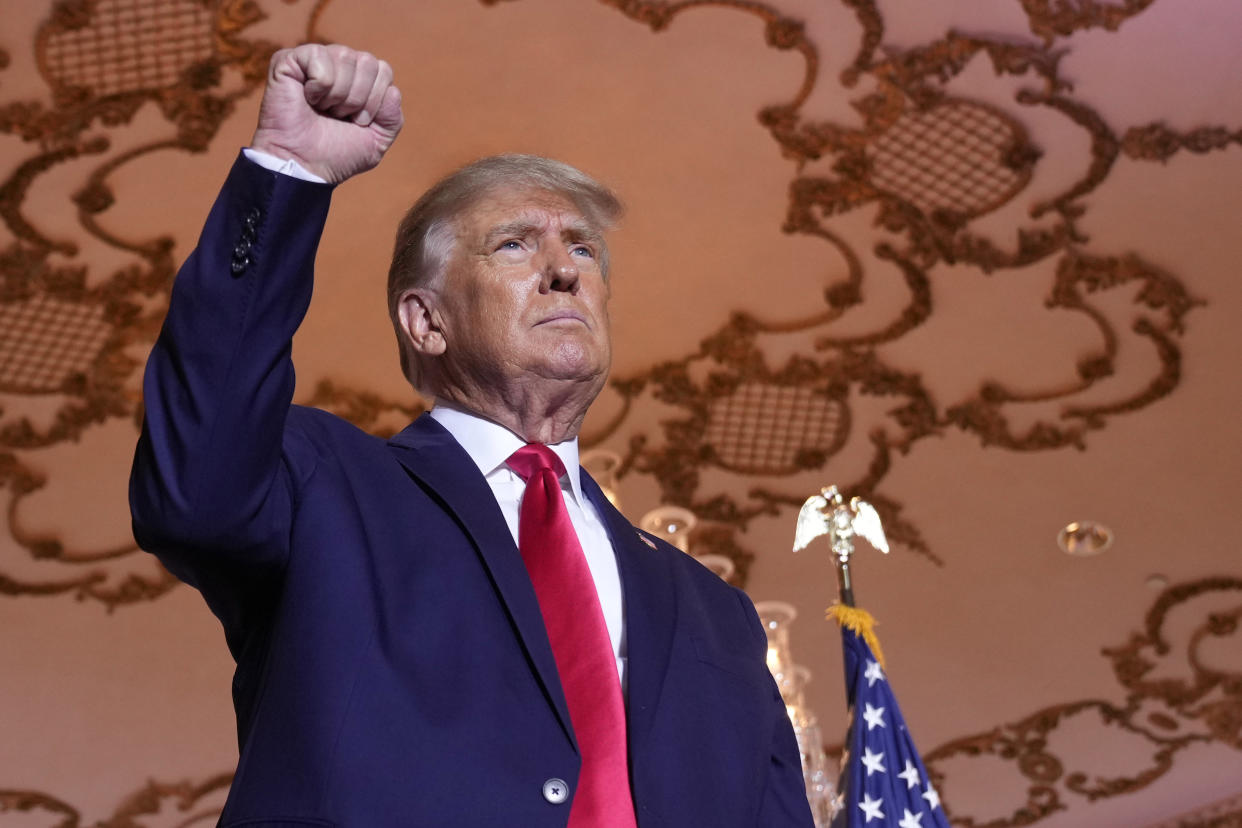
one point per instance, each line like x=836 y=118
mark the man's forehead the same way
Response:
x=535 y=207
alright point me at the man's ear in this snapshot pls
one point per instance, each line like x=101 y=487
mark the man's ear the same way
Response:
x=418 y=313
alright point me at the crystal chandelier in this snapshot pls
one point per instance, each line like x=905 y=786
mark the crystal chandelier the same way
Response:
x=791 y=679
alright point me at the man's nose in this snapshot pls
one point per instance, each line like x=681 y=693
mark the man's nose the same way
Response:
x=560 y=272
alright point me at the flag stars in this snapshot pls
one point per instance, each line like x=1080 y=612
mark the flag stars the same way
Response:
x=873 y=761
x=911 y=820
x=910 y=774
x=871 y=808
x=888 y=756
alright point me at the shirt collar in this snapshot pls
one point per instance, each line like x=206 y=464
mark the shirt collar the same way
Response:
x=490 y=444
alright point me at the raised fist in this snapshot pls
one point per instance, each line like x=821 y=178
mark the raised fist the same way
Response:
x=332 y=109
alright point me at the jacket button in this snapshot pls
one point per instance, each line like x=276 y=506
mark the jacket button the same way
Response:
x=555 y=791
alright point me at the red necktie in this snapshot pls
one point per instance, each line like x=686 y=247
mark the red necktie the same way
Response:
x=584 y=656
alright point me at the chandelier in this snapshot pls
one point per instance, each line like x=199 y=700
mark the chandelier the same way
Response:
x=675 y=525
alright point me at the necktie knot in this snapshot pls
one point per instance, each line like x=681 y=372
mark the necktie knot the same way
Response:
x=533 y=458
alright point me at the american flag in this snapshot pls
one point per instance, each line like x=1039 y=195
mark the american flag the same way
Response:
x=884 y=783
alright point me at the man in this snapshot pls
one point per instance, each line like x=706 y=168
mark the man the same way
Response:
x=426 y=629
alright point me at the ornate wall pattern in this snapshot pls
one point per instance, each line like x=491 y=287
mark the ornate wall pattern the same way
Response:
x=102 y=60
x=932 y=164
x=1164 y=710
x=930 y=161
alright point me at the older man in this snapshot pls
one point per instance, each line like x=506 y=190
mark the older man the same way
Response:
x=453 y=628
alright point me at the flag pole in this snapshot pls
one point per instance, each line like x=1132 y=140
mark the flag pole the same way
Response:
x=845 y=588
x=882 y=776
x=828 y=513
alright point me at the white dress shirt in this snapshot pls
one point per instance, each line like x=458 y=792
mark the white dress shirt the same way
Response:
x=489 y=446
x=284 y=166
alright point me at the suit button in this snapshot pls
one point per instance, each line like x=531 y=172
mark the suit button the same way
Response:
x=555 y=791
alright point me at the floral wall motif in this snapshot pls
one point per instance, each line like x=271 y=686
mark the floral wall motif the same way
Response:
x=930 y=161
x=102 y=61
x=946 y=180
x=1164 y=711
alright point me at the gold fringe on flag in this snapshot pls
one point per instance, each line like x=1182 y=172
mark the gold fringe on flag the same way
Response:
x=861 y=623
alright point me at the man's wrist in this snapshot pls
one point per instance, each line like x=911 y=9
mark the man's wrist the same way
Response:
x=284 y=166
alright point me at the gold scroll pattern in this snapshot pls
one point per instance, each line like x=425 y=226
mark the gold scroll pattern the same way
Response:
x=1176 y=697
x=68 y=334
x=931 y=161
x=1177 y=694
x=928 y=159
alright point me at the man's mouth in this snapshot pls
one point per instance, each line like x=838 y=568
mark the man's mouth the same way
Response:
x=565 y=316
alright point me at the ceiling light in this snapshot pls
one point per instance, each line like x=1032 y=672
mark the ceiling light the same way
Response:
x=672 y=523
x=1085 y=538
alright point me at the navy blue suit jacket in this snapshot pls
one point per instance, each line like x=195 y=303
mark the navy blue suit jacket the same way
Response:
x=392 y=665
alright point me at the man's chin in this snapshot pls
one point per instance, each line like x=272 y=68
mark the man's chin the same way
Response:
x=587 y=375
x=573 y=362
x=576 y=373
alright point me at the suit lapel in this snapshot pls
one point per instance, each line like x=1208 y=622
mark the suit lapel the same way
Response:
x=650 y=614
x=436 y=459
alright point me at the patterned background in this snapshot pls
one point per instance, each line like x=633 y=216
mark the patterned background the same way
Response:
x=974 y=262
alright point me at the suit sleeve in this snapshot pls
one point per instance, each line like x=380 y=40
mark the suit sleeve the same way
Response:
x=210 y=488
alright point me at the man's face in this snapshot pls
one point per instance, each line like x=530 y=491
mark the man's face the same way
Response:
x=522 y=296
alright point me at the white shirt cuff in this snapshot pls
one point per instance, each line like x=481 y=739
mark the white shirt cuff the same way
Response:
x=284 y=166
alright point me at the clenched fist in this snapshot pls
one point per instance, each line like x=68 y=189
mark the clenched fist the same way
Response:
x=332 y=109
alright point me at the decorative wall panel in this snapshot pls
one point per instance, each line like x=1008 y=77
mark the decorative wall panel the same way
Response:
x=925 y=165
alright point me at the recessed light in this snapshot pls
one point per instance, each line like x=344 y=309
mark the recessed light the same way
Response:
x=1157 y=581
x=1084 y=538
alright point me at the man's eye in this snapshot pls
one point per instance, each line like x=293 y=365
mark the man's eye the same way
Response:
x=511 y=244
x=582 y=250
